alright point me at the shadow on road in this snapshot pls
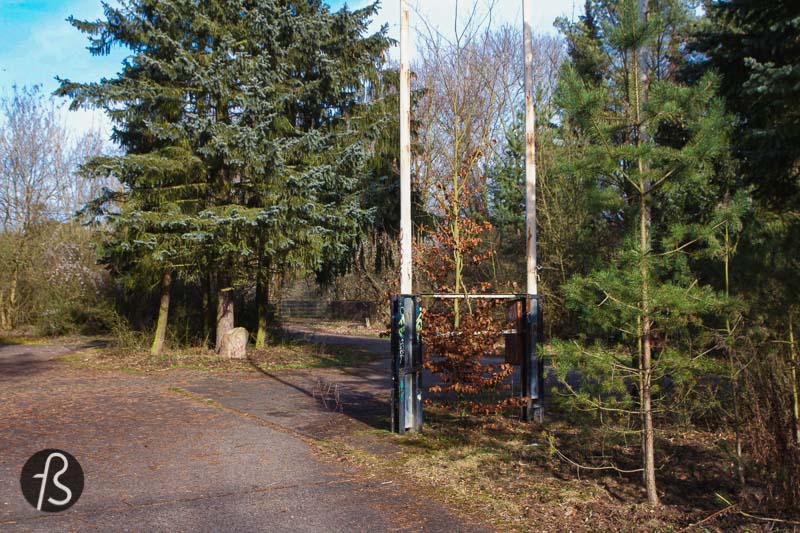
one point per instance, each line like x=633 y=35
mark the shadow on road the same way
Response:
x=361 y=393
x=28 y=359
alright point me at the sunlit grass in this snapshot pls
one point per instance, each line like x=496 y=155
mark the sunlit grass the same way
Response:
x=281 y=356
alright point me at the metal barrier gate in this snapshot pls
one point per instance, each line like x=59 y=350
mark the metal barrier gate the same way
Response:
x=524 y=311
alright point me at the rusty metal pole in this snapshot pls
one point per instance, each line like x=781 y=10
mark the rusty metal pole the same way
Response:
x=406 y=343
x=405 y=154
x=530 y=151
x=532 y=368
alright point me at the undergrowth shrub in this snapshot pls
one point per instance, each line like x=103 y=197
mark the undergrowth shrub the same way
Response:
x=462 y=335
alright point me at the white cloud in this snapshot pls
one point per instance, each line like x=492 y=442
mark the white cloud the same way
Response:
x=52 y=47
x=85 y=120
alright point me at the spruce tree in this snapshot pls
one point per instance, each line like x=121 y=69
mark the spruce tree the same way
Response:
x=755 y=48
x=650 y=146
x=235 y=118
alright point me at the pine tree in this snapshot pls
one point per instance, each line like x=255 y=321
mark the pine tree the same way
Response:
x=651 y=145
x=235 y=119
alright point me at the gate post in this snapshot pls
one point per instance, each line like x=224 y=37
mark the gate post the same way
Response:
x=532 y=363
x=406 y=342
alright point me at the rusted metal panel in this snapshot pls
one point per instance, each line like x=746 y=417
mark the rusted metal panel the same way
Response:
x=515 y=342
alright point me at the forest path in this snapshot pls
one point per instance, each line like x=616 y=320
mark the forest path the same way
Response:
x=200 y=451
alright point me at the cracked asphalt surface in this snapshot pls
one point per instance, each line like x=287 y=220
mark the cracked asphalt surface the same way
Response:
x=159 y=454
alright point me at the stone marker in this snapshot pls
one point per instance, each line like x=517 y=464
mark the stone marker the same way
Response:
x=234 y=344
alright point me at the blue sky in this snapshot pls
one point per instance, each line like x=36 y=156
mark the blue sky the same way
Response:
x=37 y=44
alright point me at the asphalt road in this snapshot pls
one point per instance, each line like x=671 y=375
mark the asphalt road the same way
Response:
x=158 y=459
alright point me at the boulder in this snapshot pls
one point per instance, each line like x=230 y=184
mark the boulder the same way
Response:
x=234 y=344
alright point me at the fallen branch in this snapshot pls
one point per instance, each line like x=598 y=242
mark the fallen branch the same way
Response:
x=586 y=467
x=756 y=517
x=730 y=508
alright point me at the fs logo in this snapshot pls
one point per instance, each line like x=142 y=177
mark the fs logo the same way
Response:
x=52 y=480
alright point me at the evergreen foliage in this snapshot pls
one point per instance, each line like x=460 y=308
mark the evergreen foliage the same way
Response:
x=755 y=48
x=237 y=121
x=652 y=147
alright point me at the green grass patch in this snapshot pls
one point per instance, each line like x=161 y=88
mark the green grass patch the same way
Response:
x=42 y=340
x=192 y=396
x=27 y=341
x=30 y=340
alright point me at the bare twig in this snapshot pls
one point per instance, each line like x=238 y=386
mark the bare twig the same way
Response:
x=756 y=517
x=585 y=467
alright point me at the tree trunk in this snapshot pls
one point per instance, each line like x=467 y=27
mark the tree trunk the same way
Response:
x=458 y=260
x=208 y=308
x=224 y=312
x=3 y=325
x=648 y=443
x=642 y=86
x=262 y=298
x=648 y=436
x=734 y=374
x=10 y=313
x=163 y=313
x=795 y=393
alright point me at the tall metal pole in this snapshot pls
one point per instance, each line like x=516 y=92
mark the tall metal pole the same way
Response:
x=530 y=150
x=406 y=349
x=405 y=154
x=532 y=369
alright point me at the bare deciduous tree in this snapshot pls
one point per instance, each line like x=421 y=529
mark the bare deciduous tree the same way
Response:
x=38 y=186
x=472 y=83
x=472 y=94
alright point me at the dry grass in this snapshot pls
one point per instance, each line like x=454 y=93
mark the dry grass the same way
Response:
x=286 y=355
x=340 y=327
x=298 y=354
x=492 y=475
x=506 y=473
